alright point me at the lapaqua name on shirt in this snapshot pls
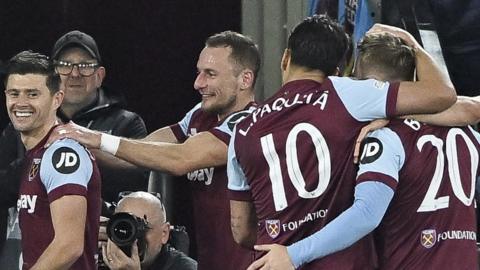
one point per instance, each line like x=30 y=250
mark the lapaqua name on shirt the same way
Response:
x=281 y=103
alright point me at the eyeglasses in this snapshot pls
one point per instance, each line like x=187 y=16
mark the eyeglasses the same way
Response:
x=85 y=69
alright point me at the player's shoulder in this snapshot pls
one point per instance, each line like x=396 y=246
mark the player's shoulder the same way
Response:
x=196 y=109
x=64 y=147
x=409 y=127
x=379 y=144
x=384 y=136
x=66 y=156
x=233 y=119
x=348 y=84
x=66 y=142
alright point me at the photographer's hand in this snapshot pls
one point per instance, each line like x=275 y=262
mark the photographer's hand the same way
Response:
x=115 y=259
x=102 y=232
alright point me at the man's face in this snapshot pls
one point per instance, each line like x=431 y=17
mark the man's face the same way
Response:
x=29 y=102
x=217 y=80
x=156 y=236
x=80 y=89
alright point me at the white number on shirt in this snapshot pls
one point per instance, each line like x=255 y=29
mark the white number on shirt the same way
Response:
x=294 y=172
x=430 y=202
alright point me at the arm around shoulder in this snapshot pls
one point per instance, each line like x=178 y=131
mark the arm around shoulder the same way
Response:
x=466 y=111
x=432 y=93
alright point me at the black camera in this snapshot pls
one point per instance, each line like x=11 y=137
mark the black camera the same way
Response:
x=124 y=228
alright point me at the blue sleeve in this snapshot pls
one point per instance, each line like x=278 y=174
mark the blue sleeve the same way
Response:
x=382 y=153
x=364 y=99
x=65 y=162
x=237 y=180
x=370 y=204
x=186 y=119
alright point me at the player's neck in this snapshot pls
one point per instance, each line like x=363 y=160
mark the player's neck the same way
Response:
x=298 y=73
x=32 y=137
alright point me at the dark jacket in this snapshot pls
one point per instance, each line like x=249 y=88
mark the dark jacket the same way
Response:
x=106 y=114
x=172 y=259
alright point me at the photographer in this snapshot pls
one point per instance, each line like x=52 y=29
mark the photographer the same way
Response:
x=157 y=253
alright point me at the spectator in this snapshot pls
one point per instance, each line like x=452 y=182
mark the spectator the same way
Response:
x=89 y=104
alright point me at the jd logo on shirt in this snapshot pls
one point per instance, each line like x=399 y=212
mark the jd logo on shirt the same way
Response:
x=65 y=160
x=372 y=150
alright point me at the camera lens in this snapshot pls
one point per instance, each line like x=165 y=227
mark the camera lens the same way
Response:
x=122 y=229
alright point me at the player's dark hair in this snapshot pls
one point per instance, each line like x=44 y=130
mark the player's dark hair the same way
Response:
x=384 y=57
x=318 y=43
x=28 y=62
x=245 y=53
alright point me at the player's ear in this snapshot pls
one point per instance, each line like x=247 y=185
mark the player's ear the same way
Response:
x=58 y=99
x=245 y=79
x=285 y=59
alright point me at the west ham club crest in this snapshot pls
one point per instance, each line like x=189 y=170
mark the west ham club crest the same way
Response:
x=273 y=227
x=428 y=238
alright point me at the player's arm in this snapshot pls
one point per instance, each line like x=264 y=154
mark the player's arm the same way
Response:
x=370 y=204
x=377 y=179
x=243 y=222
x=68 y=218
x=433 y=92
x=243 y=218
x=199 y=151
x=164 y=134
x=466 y=111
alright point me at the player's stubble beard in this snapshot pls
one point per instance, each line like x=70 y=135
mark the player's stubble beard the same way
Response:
x=219 y=107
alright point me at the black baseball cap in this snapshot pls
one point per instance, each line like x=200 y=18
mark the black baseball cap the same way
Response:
x=76 y=38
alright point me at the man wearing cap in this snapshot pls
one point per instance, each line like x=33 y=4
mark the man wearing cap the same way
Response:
x=86 y=103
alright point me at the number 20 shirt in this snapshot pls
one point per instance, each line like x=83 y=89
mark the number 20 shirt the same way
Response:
x=430 y=222
x=293 y=158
